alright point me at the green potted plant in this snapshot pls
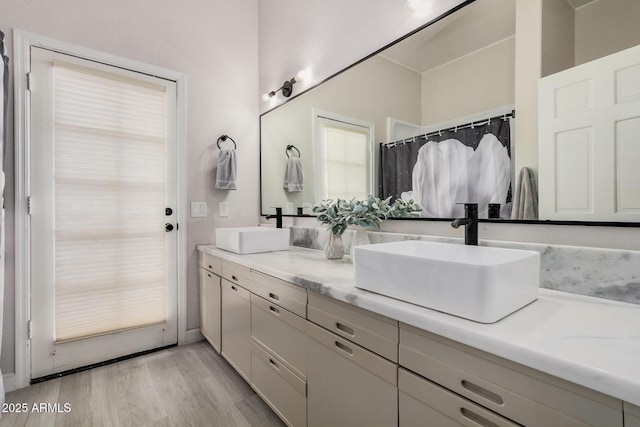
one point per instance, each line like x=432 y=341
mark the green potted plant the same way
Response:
x=335 y=215
x=366 y=213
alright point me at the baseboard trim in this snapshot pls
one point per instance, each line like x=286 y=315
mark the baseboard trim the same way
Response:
x=194 y=335
x=9 y=381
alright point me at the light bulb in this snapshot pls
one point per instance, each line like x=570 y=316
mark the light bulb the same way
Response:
x=266 y=97
x=299 y=76
x=411 y=5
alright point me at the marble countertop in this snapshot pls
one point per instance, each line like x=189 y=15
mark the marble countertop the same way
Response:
x=589 y=341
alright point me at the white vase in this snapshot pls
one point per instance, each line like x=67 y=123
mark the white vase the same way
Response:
x=359 y=238
x=334 y=248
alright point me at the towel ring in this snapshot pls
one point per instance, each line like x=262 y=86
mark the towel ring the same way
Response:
x=291 y=147
x=224 y=138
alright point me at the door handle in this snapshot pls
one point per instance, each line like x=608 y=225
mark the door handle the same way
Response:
x=168 y=227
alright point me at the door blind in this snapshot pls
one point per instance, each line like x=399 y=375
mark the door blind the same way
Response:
x=110 y=135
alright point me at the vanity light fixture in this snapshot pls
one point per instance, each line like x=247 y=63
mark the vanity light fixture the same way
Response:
x=286 y=88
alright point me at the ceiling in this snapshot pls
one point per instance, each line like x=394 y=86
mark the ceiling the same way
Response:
x=473 y=27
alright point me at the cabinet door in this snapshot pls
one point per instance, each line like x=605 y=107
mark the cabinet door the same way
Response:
x=210 y=308
x=348 y=385
x=236 y=327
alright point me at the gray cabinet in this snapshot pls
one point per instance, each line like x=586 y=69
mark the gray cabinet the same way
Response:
x=210 y=304
x=631 y=415
x=279 y=348
x=236 y=327
x=519 y=393
x=348 y=385
x=420 y=400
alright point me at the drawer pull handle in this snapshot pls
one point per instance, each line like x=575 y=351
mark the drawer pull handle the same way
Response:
x=477 y=418
x=274 y=364
x=209 y=275
x=234 y=288
x=274 y=310
x=344 y=348
x=234 y=278
x=274 y=296
x=347 y=330
x=210 y=267
x=482 y=392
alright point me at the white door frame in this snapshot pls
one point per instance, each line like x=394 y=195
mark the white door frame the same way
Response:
x=22 y=42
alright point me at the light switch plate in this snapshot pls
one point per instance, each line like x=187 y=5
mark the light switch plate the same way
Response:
x=198 y=209
x=223 y=209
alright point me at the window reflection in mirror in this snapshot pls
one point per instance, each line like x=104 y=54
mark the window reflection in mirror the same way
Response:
x=343 y=156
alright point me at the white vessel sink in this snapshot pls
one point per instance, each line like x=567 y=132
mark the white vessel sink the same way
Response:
x=475 y=282
x=251 y=240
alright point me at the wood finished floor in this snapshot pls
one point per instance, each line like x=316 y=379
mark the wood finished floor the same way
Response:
x=183 y=386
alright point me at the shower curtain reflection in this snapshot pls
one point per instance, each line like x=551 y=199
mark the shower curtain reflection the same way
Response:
x=466 y=163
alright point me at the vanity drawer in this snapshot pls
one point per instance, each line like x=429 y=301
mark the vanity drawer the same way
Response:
x=211 y=263
x=281 y=332
x=237 y=274
x=631 y=415
x=284 y=294
x=522 y=394
x=377 y=333
x=420 y=400
x=284 y=391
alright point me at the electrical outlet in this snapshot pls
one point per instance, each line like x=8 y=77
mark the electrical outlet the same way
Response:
x=223 y=209
x=198 y=209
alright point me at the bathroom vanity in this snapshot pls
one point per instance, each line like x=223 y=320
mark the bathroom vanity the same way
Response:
x=322 y=352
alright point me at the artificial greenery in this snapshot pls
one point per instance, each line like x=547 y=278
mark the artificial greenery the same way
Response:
x=370 y=212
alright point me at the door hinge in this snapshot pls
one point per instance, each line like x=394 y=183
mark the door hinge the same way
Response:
x=29 y=205
x=28 y=81
x=29 y=330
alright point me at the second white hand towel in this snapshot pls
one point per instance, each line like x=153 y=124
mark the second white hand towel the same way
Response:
x=294 y=175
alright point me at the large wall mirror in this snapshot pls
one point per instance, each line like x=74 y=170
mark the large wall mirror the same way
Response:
x=434 y=117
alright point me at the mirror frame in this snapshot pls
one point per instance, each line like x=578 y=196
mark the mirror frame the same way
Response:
x=496 y=221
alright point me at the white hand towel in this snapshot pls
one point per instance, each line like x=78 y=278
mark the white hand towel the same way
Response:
x=294 y=175
x=226 y=173
x=525 y=197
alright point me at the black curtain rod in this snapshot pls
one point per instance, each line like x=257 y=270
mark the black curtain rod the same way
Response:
x=482 y=122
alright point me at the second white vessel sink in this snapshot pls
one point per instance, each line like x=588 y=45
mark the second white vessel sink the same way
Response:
x=478 y=283
x=251 y=240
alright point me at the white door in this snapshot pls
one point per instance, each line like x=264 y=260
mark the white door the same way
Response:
x=589 y=143
x=102 y=171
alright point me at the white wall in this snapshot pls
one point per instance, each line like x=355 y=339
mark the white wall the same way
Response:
x=605 y=27
x=215 y=43
x=333 y=47
x=480 y=81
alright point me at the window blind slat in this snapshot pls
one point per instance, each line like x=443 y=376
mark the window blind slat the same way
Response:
x=109 y=202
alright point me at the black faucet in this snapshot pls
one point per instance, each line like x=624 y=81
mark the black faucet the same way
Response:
x=278 y=217
x=470 y=220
